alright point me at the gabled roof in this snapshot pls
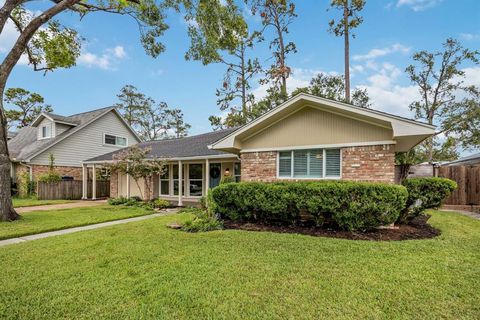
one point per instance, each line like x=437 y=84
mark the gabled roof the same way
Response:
x=26 y=145
x=179 y=148
x=54 y=118
x=406 y=132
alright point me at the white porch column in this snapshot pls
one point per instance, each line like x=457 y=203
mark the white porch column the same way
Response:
x=128 y=184
x=84 y=181
x=207 y=176
x=180 y=184
x=94 y=182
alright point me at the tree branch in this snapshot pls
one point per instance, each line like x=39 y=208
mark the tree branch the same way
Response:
x=20 y=45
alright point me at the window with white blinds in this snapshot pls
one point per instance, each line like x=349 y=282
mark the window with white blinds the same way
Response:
x=310 y=164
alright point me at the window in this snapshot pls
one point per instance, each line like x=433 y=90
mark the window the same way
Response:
x=115 y=140
x=237 y=171
x=175 y=180
x=195 y=178
x=46 y=131
x=165 y=182
x=314 y=164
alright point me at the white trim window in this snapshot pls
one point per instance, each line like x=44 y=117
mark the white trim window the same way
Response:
x=165 y=182
x=309 y=164
x=195 y=179
x=46 y=131
x=237 y=171
x=113 y=140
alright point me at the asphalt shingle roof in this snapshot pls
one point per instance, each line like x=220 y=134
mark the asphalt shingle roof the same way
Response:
x=178 y=148
x=25 y=143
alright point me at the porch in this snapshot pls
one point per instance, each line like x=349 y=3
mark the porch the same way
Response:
x=181 y=187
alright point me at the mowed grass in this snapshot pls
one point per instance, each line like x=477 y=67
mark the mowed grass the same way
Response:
x=144 y=270
x=30 y=202
x=43 y=221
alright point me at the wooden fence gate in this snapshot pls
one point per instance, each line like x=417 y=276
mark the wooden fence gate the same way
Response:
x=70 y=190
x=468 y=180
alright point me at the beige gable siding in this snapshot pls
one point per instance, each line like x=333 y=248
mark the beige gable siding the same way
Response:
x=87 y=142
x=311 y=126
x=45 y=122
x=61 y=128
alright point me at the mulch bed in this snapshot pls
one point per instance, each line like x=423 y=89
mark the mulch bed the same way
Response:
x=417 y=229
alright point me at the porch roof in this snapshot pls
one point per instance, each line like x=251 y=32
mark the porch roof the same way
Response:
x=178 y=148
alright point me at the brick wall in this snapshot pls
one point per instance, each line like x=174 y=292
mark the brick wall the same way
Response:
x=74 y=172
x=367 y=163
x=259 y=166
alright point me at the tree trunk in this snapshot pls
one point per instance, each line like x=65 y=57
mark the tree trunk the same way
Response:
x=347 y=53
x=7 y=213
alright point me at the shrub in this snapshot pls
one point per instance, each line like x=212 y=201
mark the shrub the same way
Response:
x=130 y=202
x=349 y=205
x=202 y=222
x=227 y=179
x=50 y=177
x=425 y=193
x=161 y=203
x=25 y=186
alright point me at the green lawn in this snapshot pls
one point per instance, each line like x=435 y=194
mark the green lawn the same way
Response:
x=30 y=202
x=43 y=221
x=143 y=270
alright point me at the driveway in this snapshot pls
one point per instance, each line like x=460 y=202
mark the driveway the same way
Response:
x=70 y=205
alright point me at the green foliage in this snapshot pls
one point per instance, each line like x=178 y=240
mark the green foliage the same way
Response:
x=333 y=87
x=150 y=119
x=130 y=202
x=227 y=179
x=161 y=203
x=202 y=222
x=277 y=16
x=26 y=187
x=354 y=19
x=25 y=106
x=446 y=101
x=50 y=177
x=349 y=205
x=425 y=193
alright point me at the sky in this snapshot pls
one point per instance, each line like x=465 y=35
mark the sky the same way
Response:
x=112 y=57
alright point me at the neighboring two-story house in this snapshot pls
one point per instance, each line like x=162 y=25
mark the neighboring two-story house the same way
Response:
x=70 y=139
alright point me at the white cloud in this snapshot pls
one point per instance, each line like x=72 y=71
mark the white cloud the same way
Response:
x=105 y=61
x=298 y=78
x=472 y=76
x=418 y=5
x=386 y=94
x=119 y=52
x=380 y=52
x=470 y=36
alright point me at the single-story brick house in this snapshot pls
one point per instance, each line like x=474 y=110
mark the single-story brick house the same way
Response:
x=306 y=137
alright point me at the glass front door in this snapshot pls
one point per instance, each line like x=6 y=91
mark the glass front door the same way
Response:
x=215 y=174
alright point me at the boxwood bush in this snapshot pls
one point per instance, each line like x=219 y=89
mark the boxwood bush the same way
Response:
x=349 y=205
x=425 y=193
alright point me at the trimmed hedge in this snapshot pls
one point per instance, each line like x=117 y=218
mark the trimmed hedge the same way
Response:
x=425 y=193
x=350 y=205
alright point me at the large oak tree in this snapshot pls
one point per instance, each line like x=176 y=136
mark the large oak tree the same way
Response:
x=48 y=45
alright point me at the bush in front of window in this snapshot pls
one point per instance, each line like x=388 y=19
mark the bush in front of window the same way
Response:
x=342 y=204
x=425 y=193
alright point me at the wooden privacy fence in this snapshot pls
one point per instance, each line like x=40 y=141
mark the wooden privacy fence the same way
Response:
x=70 y=190
x=468 y=180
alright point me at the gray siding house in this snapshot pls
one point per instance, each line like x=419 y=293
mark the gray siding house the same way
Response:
x=70 y=139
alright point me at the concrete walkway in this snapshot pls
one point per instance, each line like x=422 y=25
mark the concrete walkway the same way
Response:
x=83 y=228
x=70 y=205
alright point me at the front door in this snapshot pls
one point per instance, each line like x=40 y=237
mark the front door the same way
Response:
x=215 y=174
